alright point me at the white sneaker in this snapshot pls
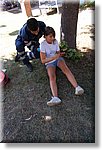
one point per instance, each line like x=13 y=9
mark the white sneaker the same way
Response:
x=54 y=101
x=79 y=90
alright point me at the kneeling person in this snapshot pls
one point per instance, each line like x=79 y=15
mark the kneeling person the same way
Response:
x=29 y=36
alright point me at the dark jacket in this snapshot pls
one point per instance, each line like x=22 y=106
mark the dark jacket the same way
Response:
x=25 y=37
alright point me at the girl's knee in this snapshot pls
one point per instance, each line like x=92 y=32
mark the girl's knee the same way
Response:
x=66 y=70
x=52 y=77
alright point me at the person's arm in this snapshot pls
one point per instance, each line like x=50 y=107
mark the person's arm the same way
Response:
x=58 y=49
x=58 y=52
x=46 y=60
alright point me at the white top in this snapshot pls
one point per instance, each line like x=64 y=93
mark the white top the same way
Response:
x=49 y=49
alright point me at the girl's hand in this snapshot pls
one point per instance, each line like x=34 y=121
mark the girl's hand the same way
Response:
x=57 y=56
x=62 y=53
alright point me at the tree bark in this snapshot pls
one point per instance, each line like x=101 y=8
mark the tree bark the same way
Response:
x=69 y=23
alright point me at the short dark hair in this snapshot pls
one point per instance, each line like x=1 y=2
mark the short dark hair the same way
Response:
x=32 y=24
x=48 y=31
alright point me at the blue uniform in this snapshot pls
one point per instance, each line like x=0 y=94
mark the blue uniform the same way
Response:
x=26 y=38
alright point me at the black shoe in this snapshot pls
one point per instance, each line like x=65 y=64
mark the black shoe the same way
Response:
x=29 y=67
x=17 y=58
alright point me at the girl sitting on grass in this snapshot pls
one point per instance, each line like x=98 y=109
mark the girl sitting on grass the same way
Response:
x=52 y=57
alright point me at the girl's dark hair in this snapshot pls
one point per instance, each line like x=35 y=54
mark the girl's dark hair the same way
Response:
x=32 y=24
x=48 y=31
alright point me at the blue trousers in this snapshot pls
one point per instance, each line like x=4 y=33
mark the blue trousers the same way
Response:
x=26 y=56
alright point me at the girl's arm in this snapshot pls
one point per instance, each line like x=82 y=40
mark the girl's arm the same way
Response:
x=46 y=60
x=58 y=52
x=61 y=53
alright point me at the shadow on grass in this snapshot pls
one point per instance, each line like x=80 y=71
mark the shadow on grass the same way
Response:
x=25 y=108
x=2 y=26
x=15 y=10
x=89 y=28
x=14 y=33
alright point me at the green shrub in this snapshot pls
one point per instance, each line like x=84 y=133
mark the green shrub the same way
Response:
x=87 y=4
x=70 y=53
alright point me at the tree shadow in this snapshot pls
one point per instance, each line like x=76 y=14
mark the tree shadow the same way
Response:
x=15 y=10
x=25 y=108
x=93 y=37
x=2 y=26
x=14 y=33
x=89 y=28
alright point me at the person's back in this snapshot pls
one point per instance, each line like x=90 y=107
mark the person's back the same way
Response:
x=25 y=34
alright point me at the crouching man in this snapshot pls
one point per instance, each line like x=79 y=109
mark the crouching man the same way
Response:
x=29 y=36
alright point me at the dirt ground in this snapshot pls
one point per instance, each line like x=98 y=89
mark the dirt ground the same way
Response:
x=26 y=117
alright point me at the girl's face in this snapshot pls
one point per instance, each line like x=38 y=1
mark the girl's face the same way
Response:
x=49 y=38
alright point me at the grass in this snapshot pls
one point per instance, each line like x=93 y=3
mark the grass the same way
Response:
x=25 y=108
x=25 y=97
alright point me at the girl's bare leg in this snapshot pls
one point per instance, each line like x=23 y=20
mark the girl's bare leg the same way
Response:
x=62 y=65
x=52 y=77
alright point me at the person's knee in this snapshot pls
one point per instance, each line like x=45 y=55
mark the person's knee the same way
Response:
x=63 y=67
x=66 y=70
x=19 y=46
x=52 y=77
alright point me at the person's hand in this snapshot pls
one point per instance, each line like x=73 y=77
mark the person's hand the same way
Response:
x=57 y=56
x=62 y=53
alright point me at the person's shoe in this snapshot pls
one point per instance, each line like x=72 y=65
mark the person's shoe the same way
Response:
x=79 y=90
x=17 y=58
x=29 y=67
x=54 y=101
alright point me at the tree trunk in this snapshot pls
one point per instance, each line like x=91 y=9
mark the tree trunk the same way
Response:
x=69 y=23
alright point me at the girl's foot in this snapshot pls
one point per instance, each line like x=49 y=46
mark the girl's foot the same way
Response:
x=54 y=101
x=79 y=90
